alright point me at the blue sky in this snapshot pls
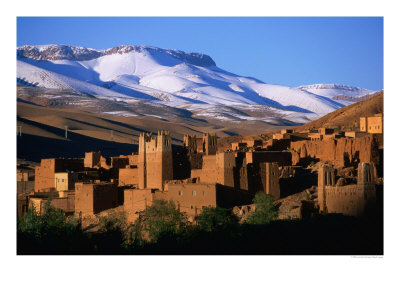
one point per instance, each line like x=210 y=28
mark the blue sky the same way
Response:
x=289 y=51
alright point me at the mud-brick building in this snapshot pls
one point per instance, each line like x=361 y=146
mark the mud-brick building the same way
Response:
x=25 y=184
x=128 y=176
x=192 y=198
x=155 y=164
x=352 y=199
x=64 y=200
x=65 y=181
x=217 y=168
x=92 y=159
x=372 y=124
x=44 y=174
x=92 y=198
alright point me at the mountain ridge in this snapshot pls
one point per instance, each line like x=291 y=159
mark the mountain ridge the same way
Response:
x=179 y=79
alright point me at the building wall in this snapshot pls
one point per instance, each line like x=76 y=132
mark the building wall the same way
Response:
x=136 y=200
x=190 y=142
x=375 y=124
x=372 y=124
x=25 y=187
x=210 y=143
x=67 y=204
x=239 y=146
x=65 y=181
x=192 y=198
x=218 y=168
x=91 y=159
x=92 y=198
x=133 y=159
x=44 y=174
x=128 y=176
x=281 y=136
x=350 y=199
x=341 y=152
x=155 y=164
x=270 y=179
x=119 y=162
x=22 y=175
x=225 y=164
x=282 y=158
x=363 y=124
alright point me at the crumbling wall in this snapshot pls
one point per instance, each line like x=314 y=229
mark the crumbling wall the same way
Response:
x=350 y=199
x=339 y=152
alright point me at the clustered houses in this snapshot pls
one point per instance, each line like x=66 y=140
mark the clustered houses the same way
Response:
x=89 y=185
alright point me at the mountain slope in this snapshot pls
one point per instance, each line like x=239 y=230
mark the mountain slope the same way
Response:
x=348 y=116
x=174 y=77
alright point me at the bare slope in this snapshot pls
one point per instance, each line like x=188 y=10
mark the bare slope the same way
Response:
x=348 y=116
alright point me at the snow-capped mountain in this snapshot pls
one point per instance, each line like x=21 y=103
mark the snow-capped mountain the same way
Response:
x=178 y=79
x=336 y=91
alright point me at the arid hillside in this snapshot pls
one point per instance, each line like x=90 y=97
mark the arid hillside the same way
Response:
x=348 y=117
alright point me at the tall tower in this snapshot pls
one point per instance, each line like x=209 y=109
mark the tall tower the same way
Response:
x=365 y=174
x=209 y=143
x=164 y=157
x=365 y=187
x=272 y=186
x=155 y=160
x=190 y=143
x=326 y=177
x=225 y=164
x=142 y=170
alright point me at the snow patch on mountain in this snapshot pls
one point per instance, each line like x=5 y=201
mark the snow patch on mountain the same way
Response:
x=176 y=78
x=334 y=90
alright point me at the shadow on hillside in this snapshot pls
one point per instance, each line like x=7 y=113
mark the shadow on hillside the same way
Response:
x=34 y=148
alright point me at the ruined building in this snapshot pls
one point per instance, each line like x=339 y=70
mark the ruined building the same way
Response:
x=209 y=143
x=155 y=160
x=352 y=199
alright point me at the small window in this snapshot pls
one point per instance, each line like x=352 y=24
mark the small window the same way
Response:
x=180 y=193
x=194 y=193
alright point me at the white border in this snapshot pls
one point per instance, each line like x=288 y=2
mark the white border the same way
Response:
x=199 y=277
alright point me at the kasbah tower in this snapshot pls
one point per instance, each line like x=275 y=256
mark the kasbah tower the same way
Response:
x=155 y=160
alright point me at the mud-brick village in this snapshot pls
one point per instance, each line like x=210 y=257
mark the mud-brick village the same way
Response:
x=307 y=172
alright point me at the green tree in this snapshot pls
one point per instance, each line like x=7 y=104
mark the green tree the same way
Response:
x=216 y=218
x=162 y=218
x=50 y=231
x=113 y=234
x=265 y=210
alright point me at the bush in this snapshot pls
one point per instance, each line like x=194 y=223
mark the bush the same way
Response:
x=52 y=231
x=113 y=234
x=162 y=218
x=216 y=218
x=265 y=210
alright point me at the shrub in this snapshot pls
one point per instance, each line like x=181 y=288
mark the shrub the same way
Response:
x=265 y=210
x=162 y=218
x=216 y=218
x=52 y=231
